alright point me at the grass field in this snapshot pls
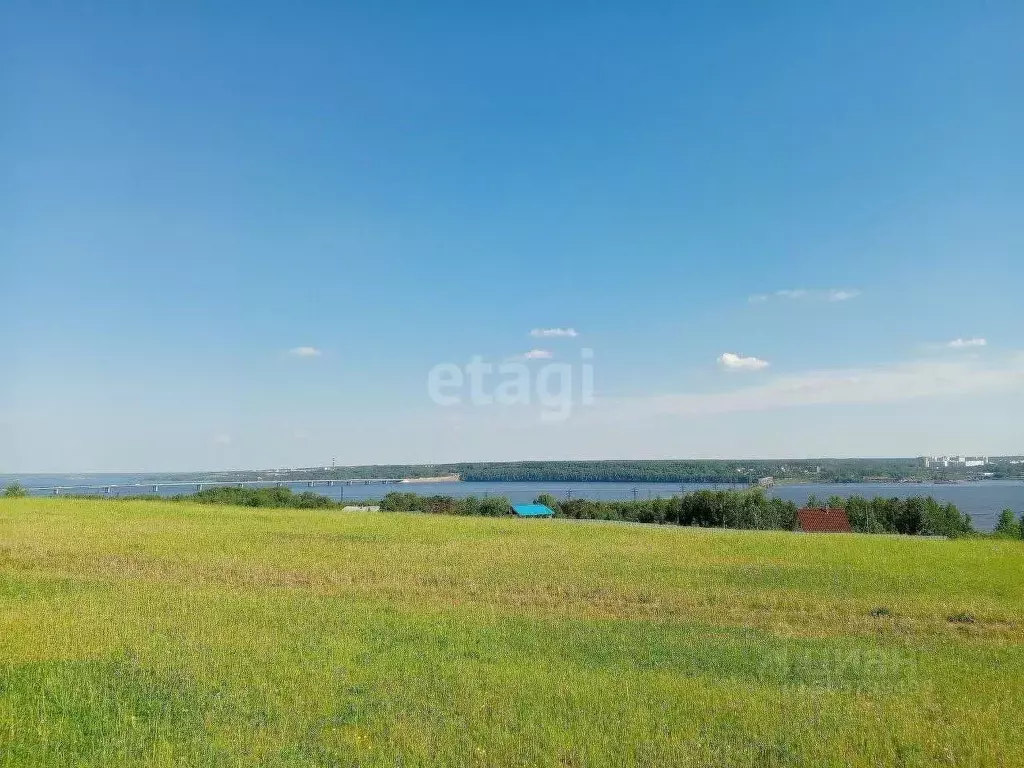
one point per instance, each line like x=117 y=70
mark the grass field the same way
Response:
x=160 y=633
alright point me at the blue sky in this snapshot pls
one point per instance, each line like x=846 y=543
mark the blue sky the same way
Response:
x=768 y=223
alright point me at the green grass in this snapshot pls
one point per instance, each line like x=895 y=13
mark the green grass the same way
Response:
x=155 y=633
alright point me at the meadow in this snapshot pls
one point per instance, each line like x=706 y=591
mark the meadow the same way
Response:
x=170 y=633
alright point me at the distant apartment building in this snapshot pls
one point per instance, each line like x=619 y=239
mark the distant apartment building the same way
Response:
x=955 y=461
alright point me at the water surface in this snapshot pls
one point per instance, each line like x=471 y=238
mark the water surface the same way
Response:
x=982 y=500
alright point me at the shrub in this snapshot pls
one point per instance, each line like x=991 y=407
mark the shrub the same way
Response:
x=1008 y=525
x=14 y=491
x=260 y=497
x=550 y=502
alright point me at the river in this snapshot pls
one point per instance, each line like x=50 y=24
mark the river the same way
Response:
x=982 y=500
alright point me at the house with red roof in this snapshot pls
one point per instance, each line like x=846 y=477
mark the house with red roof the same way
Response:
x=822 y=520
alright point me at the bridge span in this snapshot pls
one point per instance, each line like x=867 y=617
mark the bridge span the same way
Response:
x=198 y=485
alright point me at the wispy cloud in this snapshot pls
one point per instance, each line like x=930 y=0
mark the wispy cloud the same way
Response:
x=966 y=343
x=842 y=294
x=222 y=439
x=538 y=354
x=736 y=362
x=880 y=384
x=830 y=294
x=551 y=333
x=305 y=352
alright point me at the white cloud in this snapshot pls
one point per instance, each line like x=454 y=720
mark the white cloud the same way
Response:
x=222 y=439
x=549 y=333
x=843 y=294
x=830 y=294
x=880 y=384
x=305 y=352
x=965 y=343
x=739 y=363
x=537 y=354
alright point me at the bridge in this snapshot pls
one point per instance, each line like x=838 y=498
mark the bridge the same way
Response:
x=198 y=485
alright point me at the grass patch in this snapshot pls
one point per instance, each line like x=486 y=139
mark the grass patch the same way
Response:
x=156 y=633
x=962 y=617
x=100 y=713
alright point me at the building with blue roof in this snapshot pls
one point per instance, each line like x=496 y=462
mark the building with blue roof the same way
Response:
x=532 y=510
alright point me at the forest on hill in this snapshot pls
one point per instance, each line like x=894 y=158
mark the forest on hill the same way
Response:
x=739 y=471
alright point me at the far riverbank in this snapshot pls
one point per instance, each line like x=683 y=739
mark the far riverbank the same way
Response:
x=982 y=500
x=438 y=479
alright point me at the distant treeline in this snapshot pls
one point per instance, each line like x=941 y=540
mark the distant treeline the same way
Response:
x=260 y=497
x=688 y=471
x=719 y=509
x=747 y=471
x=747 y=509
x=490 y=506
x=914 y=516
x=742 y=471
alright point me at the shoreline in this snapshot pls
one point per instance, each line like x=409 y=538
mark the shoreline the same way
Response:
x=779 y=483
x=436 y=479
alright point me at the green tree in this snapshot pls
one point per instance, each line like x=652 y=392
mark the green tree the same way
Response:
x=1008 y=525
x=14 y=491
x=549 y=501
x=494 y=506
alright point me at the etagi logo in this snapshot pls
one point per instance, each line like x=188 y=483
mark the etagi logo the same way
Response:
x=551 y=385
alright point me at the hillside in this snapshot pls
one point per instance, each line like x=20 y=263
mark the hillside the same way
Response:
x=162 y=633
